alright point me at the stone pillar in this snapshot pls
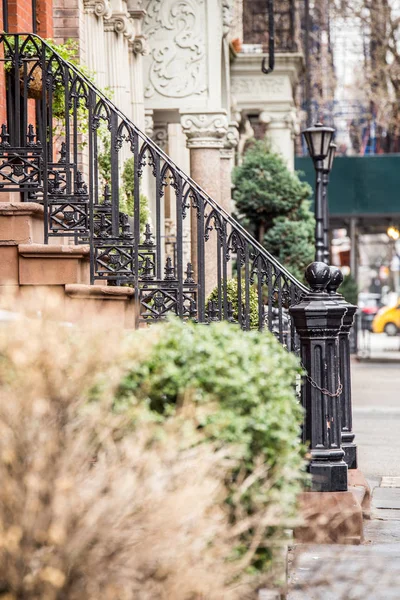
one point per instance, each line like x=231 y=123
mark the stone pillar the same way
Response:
x=118 y=34
x=95 y=12
x=318 y=321
x=226 y=178
x=281 y=129
x=348 y=445
x=205 y=132
x=138 y=47
x=227 y=164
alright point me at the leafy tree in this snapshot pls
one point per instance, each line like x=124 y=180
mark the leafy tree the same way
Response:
x=273 y=204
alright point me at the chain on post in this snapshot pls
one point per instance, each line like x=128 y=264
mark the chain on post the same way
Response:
x=315 y=385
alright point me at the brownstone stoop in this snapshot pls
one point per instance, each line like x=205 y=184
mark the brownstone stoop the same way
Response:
x=29 y=268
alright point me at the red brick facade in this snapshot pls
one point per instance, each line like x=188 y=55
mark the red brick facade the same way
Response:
x=20 y=16
x=44 y=18
x=20 y=20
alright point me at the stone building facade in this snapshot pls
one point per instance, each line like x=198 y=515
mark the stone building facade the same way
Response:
x=188 y=72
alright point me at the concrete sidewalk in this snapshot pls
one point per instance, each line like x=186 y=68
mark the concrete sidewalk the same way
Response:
x=370 y=571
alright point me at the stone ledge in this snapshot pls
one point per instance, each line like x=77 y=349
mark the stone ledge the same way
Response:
x=97 y=292
x=330 y=518
x=33 y=209
x=53 y=251
x=358 y=482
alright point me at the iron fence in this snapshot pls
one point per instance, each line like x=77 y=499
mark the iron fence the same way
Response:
x=105 y=183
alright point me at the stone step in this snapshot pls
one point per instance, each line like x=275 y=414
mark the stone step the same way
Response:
x=75 y=304
x=21 y=223
x=111 y=304
x=13 y=197
x=41 y=264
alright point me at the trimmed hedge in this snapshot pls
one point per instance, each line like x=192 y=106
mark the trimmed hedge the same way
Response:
x=245 y=381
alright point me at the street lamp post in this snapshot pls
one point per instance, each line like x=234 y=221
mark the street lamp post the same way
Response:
x=327 y=168
x=319 y=140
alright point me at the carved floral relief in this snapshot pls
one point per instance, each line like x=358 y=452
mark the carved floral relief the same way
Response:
x=176 y=34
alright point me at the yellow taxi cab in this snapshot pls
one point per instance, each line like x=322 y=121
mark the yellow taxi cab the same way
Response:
x=387 y=320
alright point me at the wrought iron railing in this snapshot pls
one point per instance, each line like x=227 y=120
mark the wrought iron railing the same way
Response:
x=67 y=146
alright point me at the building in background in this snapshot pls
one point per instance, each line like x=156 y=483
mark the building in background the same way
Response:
x=187 y=72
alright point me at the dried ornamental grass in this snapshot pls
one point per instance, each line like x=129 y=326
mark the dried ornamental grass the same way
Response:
x=90 y=507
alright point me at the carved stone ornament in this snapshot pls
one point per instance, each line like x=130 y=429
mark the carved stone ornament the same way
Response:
x=120 y=23
x=139 y=45
x=205 y=130
x=136 y=6
x=101 y=8
x=176 y=33
x=266 y=87
x=149 y=122
x=232 y=137
x=160 y=135
x=227 y=16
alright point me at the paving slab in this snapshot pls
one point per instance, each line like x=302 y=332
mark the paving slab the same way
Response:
x=335 y=572
x=385 y=514
x=386 y=497
x=391 y=482
x=382 y=532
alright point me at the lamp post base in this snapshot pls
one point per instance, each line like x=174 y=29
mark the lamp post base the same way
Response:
x=350 y=455
x=329 y=476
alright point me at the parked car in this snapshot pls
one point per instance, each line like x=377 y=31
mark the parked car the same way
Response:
x=387 y=320
x=369 y=305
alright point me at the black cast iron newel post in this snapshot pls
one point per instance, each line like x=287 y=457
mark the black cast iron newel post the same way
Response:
x=318 y=321
x=348 y=445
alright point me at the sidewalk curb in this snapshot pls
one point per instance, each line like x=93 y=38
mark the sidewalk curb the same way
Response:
x=383 y=360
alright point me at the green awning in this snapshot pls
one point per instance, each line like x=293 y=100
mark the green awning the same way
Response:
x=363 y=186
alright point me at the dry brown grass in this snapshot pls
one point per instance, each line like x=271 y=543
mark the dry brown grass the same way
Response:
x=90 y=506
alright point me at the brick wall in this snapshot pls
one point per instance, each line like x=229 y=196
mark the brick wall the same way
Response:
x=44 y=18
x=68 y=23
x=19 y=16
x=20 y=20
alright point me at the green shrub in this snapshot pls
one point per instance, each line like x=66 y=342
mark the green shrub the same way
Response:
x=232 y=296
x=273 y=204
x=98 y=505
x=126 y=188
x=244 y=382
x=349 y=289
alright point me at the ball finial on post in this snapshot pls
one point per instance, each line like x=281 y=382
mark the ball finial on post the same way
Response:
x=335 y=281
x=318 y=276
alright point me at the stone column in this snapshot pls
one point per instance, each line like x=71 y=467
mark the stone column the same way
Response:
x=281 y=129
x=205 y=132
x=227 y=164
x=227 y=155
x=95 y=12
x=118 y=34
x=138 y=47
